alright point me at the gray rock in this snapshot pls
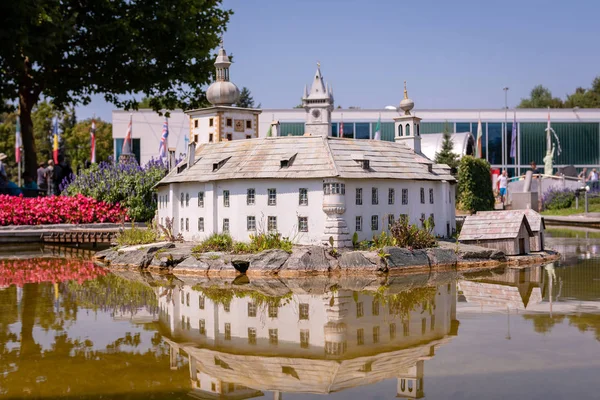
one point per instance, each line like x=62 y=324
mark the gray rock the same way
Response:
x=101 y=255
x=268 y=261
x=469 y=251
x=169 y=258
x=356 y=261
x=137 y=258
x=498 y=255
x=439 y=256
x=306 y=260
x=191 y=265
x=403 y=258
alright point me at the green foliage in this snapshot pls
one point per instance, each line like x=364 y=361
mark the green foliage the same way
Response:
x=379 y=242
x=446 y=155
x=474 y=185
x=241 y=248
x=269 y=240
x=401 y=304
x=541 y=97
x=215 y=242
x=167 y=231
x=70 y=50
x=78 y=147
x=557 y=199
x=411 y=236
x=246 y=100
x=223 y=296
x=134 y=235
x=355 y=240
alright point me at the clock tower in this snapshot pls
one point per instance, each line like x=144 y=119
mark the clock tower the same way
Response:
x=318 y=104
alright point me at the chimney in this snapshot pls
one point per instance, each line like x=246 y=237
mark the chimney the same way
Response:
x=191 y=154
x=172 y=161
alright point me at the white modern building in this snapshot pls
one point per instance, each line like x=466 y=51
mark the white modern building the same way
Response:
x=310 y=188
x=305 y=343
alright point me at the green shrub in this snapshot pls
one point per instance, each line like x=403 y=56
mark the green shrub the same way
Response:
x=379 y=242
x=411 y=236
x=556 y=199
x=271 y=240
x=474 y=185
x=134 y=235
x=241 y=247
x=215 y=242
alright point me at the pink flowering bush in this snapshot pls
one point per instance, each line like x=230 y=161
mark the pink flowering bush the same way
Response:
x=57 y=210
x=37 y=270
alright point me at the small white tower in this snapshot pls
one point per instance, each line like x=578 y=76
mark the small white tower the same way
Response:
x=410 y=383
x=318 y=104
x=407 y=126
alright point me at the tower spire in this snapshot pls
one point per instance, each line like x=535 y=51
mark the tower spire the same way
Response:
x=405 y=91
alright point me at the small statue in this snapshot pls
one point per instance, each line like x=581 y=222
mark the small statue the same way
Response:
x=548 y=161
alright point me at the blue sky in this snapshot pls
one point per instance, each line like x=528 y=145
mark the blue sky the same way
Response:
x=454 y=54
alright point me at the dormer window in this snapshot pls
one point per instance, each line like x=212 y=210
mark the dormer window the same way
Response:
x=364 y=164
x=218 y=165
x=362 y=161
x=181 y=168
x=287 y=160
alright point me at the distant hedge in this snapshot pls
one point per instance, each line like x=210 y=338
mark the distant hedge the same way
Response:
x=474 y=185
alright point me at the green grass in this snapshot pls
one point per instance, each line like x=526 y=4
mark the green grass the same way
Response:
x=133 y=236
x=571 y=233
x=572 y=210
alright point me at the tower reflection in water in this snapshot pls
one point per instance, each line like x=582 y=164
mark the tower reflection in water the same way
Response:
x=239 y=343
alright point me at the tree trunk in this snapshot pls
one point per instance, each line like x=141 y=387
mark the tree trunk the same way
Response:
x=26 y=103
x=28 y=308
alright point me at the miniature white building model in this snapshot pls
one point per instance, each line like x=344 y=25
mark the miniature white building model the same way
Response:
x=310 y=188
x=407 y=127
x=222 y=121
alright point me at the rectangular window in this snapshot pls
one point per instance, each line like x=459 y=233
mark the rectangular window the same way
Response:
x=272 y=224
x=358 y=224
x=405 y=328
x=392 y=331
x=248 y=124
x=272 y=197
x=375 y=334
x=273 y=310
x=391 y=196
x=181 y=226
x=251 y=335
x=375 y=307
x=195 y=138
x=225 y=198
x=250 y=197
x=359 y=196
x=251 y=309
x=303 y=197
x=201 y=302
x=430 y=196
x=391 y=220
x=359 y=309
x=273 y=336
x=360 y=337
x=304 y=338
x=375 y=223
x=229 y=122
x=248 y=136
x=200 y=199
x=210 y=137
x=251 y=223
x=303 y=311
x=211 y=122
x=334 y=188
x=302 y=224
x=187 y=299
x=404 y=196
x=187 y=199
x=423 y=219
x=196 y=123
x=225 y=225
x=202 y=327
x=374 y=196
x=229 y=137
x=422 y=195
x=227 y=331
x=182 y=199
x=227 y=307
x=432 y=322
x=201 y=224
x=423 y=326
x=187 y=224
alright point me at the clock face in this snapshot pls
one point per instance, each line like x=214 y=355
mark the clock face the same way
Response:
x=316 y=114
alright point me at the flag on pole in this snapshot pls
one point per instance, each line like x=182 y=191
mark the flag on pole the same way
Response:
x=93 y=144
x=18 y=141
x=341 y=128
x=126 y=149
x=378 y=129
x=162 y=151
x=513 y=139
x=479 y=152
x=55 y=139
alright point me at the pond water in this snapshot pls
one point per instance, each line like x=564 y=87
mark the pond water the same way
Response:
x=69 y=329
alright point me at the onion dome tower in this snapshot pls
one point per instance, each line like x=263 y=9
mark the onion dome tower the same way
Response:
x=407 y=126
x=222 y=92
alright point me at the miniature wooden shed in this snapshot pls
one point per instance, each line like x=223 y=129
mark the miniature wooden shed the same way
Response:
x=536 y=223
x=501 y=230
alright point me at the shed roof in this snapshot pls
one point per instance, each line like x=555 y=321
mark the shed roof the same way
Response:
x=316 y=157
x=494 y=225
x=535 y=219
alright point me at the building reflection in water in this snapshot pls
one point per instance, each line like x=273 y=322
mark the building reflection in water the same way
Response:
x=239 y=344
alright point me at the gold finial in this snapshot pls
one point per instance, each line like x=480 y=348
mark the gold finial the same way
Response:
x=318 y=64
x=405 y=91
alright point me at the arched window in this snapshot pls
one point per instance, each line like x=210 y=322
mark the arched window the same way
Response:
x=402 y=385
x=399 y=130
x=410 y=386
x=407 y=130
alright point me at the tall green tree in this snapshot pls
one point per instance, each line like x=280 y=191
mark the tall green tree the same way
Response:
x=246 y=100
x=585 y=98
x=78 y=142
x=68 y=50
x=474 y=185
x=446 y=155
x=541 y=97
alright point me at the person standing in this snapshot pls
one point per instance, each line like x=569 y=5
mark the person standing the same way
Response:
x=582 y=175
x=50 y=177
x=3 y=175
x=503 y=184
x=41 y=177
x=593 y=178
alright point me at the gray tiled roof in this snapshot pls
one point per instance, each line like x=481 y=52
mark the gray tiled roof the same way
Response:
x=535 y=219
x=493 y=225
x=315 y=157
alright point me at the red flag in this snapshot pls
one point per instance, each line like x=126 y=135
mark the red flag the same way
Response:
x=93 y=134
